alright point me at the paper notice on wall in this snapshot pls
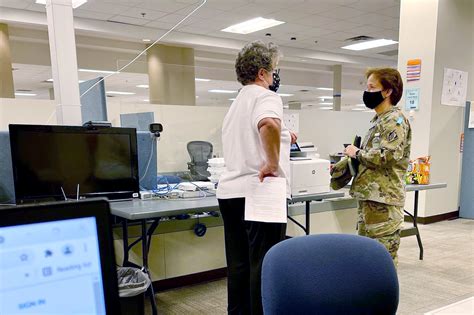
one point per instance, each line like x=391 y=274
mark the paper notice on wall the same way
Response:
x=292 y=122
x=454 y=87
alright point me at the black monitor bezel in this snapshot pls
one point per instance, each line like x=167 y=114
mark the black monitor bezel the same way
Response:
x=55 y=211
x=15 y=129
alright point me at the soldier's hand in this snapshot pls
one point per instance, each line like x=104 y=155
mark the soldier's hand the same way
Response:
x=351 y=151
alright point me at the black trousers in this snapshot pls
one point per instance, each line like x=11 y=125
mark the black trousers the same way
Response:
x=246 y=244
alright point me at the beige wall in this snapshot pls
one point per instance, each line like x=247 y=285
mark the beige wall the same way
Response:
x=23 y=111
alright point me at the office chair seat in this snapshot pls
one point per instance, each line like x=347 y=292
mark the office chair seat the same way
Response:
x=329 y=274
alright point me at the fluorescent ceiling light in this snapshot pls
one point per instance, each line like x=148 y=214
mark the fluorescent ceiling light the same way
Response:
x=75 y=3
x=324 y=89
x=197 y=96
x=120 y=93
x=146 y=40
x=222 y=91
x=146 y=100
x=370 y=44
x=285 y=95
x=358 y=109
x=202 y=80
x=360 y=105
x=143 y=86
x=252 y=25
x=327 y=97
x=325 y=103
x=231 y=99
x=96 y=71
x=325 y=108
x=24 y=94
x=51 y=81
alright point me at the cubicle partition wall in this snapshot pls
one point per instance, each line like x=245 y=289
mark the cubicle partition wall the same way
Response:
x=467 y=175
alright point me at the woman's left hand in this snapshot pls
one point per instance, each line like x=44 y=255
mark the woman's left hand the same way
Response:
x=294 y=137
x=351 y=151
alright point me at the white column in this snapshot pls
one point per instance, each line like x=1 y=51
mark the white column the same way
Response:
x=337 y=87
x=62 y=45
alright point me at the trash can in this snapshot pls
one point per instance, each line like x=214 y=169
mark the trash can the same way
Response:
x=132 y=283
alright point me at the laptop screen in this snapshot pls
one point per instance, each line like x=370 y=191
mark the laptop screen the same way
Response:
x=51 y=268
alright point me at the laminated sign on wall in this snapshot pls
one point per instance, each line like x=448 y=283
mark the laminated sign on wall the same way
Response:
x=454 y=87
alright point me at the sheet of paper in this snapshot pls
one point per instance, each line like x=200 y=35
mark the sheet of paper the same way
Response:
x=266 y=201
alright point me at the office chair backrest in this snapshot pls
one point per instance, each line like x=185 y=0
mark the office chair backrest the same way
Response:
x=200 y=152
x=329 y=274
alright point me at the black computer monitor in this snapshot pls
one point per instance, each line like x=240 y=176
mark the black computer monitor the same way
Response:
x=58 y=258
x=59 y=162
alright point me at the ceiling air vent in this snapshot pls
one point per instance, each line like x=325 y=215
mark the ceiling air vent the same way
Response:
x=123 y=23
x=358 y=38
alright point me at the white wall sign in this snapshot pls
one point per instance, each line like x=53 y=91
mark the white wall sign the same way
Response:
x=292 y=122
x=454 y=87
x=412 y=98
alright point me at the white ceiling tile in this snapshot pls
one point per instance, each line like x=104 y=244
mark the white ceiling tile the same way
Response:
x=392 y=23
x=316 y=20
x=15 y=4
x=162 y=5
x=369 y=18
x=373 y=5
x=311 y=7
x=392 y=11
x=254 y=10
x=171 y=18
x=202 y=13
x=287 y=15
x=92 y=15
x=195 y=30
x=160 y=25
x=343 y=13
x=341 y=26
x=368 y=30
x=129 y=20
x=149 y=14
x=104 y=7
x=226 y=5
x=279 y=3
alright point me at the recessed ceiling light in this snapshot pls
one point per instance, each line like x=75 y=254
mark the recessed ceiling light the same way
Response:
x=325 y=108
x=51 y=81
x=75 y=3
x=146 y=40
x=24 y=94
x=202 y=80
x=231 y=99
x=252 y=25
x=370 y=44
x=96 y=71
x=120 y=93
x=325 y=103
x=197 y=96
x=146 y=100
x=361 y=105
x=324 y=89
x=285 y=95
x=327 y=97
x=222 y=91
x=143 y=86
x=358 y=109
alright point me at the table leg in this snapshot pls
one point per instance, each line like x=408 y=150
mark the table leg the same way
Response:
x=308 y=210
x=145 y=249
x=415 y=218
x=125 y=242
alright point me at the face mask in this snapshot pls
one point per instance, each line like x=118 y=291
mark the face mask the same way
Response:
x=276 y=81
x=372 y=99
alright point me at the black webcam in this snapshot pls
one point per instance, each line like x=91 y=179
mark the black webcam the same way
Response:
x=156 y=128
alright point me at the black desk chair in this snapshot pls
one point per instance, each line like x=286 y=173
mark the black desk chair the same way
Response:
x=199 y=152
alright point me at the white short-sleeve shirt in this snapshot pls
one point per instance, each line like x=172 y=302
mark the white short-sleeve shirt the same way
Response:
x=243 y=150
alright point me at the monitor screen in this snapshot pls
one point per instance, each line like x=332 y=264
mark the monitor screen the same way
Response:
x=58 y=162
x=51 y=268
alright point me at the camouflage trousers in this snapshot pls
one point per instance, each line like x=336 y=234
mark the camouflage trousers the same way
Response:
x=381 y=222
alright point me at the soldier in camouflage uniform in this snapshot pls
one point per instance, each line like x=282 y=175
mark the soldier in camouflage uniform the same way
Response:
x=379 y=185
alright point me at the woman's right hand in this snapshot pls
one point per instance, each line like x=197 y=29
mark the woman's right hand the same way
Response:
x=267 y=171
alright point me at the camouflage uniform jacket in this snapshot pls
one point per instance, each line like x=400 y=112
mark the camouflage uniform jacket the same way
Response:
x=384 y=158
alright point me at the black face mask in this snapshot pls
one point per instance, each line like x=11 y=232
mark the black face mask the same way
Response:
x=372 y=99
x=276 y=81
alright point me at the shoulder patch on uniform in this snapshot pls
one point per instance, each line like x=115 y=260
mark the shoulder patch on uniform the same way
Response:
x=392 y=136
x=399 y=120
